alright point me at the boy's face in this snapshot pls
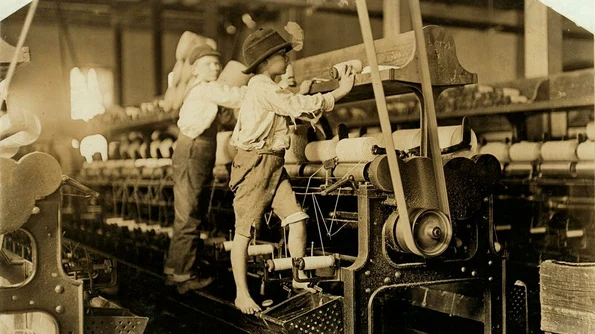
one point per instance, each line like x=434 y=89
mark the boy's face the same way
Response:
x=277 y=63
x=207 y=68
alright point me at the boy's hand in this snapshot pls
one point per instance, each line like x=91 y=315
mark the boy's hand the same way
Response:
x=345 y=83
x=347 y=79
x=305 y=87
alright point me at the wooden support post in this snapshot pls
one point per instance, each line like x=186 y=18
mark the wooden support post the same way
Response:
x=391 y=20
x=543 y=56
x=118 y=87
x=157 y=45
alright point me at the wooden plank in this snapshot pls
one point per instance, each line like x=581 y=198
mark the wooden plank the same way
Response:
x=396 y=51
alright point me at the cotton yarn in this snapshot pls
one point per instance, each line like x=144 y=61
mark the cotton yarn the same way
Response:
x=356 y=149
x=321 y=150
x=586 y=150
x=447 y=136
x=497 y=149
x=563 y=150
x=591 y=130
x=293 y=170
x=525 y=151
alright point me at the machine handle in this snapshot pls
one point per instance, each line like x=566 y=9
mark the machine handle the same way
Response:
x=338 y=184
x=67 y=180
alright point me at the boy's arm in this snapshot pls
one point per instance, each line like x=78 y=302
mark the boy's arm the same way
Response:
x=297 y=105
x=223 y=95
x=286 y=103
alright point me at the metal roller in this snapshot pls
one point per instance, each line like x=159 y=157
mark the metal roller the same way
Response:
x=314 y=170
x=585 y=168
x=518 y=168
x=252 y=249
x=556 y=168
x=358 y=171
x=279 y=264
x=315 y=262
x=294 y=170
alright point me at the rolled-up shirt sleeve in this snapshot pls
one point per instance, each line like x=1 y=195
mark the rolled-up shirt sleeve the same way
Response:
x=223 y=95
x=286 y=103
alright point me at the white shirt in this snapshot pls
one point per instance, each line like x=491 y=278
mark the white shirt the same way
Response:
x=200 y=107
x=262 y=120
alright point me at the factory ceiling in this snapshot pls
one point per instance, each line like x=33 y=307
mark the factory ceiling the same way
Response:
x=503 y=15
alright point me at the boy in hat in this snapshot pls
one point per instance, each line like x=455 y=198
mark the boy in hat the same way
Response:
x=193 y=161
x=261 y=135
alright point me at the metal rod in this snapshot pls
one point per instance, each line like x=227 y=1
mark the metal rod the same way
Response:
x=431 y=123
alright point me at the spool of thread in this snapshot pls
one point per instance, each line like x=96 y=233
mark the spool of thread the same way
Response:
x=222 y=155
x=166 y=148
x=154 y=148
x=563 y=150
x=313 y=170
x=357 y=171
x=447 y=136
x=164 y=162
x=280 y=264
x=499 y=150
x=356 y=67
x=591 y=130
x=378 y=136
x=260 y=249
x=574 y=233
x=356 y=149
x=293 y=170
x=322 y=150
x=525 y=151
x=133 y=150
x=317 y=262
x=252 y=249
x=586 y=150
x=555 y=168
x=518 y=168
x=585 y=168
x=538 y=230
x=296 y=153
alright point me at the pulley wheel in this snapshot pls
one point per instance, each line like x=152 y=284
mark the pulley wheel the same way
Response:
x=429 y=235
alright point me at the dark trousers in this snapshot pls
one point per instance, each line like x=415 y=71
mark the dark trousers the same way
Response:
x=193 y=161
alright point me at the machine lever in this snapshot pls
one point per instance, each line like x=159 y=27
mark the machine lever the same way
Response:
x=338 y=184
x=67 y=180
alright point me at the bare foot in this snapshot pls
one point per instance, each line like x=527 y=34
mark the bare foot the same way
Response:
x=302 y=286
x=246 y=304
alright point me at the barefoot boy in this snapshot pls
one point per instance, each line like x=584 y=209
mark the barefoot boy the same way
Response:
x=261 y=135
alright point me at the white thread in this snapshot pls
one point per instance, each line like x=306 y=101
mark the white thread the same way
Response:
x=280 y=264
x=525 y=151
x=317 y=262
x=321 y=150
x=564 y=150
x=586 y=150
x=497 y=149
